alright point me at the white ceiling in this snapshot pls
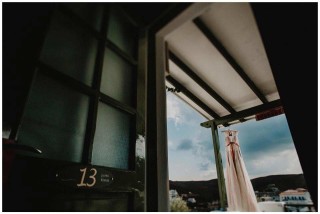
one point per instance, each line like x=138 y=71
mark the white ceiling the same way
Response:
x=233 y=24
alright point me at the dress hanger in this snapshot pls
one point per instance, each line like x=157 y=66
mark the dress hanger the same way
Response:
x=229 y=131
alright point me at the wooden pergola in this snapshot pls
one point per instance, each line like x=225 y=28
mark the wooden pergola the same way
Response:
x=214 y=60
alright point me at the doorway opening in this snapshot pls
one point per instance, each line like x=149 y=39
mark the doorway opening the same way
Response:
x=211 y=70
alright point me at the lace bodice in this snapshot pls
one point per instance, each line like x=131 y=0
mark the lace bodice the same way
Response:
x=231 y=136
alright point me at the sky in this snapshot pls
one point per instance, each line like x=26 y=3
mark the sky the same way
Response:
x=267 y=146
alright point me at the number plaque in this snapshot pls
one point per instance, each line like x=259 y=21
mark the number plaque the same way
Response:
x=85 y=177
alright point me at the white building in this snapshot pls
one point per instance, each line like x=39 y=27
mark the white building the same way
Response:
x=192 y=200
x=173 y=194
x=298 y=196
x=298 y=200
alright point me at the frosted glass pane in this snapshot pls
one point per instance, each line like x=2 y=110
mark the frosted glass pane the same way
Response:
x=90 y=12
x=122 y=32
x=69 y=49
x=55 y=120
x=117 y=78
x=112 y=138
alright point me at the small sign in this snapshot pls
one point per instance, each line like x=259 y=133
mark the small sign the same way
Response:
x=85 y=177
x=270 y=113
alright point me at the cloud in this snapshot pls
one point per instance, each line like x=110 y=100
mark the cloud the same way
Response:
x=204 y=151
x=267 y=146
x=264 y=137
x=208 y=174
x=278 y=162
x=204 y=166
x=174 y=110
x=185 y=144
x=180 y=113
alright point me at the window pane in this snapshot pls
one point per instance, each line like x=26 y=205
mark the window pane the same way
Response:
x=55 y=120
x=90 y=12
x=118 y=78
x=69 y=49
x=122 y=32
x=112 y=138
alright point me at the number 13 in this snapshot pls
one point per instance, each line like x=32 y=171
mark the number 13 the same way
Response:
x=91 y=176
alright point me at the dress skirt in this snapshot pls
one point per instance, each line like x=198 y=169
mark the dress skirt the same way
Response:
x=240 y=192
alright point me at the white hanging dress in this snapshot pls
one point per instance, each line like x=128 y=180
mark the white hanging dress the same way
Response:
x=240 y=192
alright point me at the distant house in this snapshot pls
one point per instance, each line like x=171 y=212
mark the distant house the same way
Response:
x=173 y=194
x=297 y=200
x=191 y=200
x=298 y=196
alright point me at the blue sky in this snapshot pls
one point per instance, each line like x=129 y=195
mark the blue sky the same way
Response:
x=267 y=146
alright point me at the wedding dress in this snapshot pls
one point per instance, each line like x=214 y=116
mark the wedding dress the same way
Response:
x=240 y=192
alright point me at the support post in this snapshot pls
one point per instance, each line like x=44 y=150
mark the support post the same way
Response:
x=219 y=166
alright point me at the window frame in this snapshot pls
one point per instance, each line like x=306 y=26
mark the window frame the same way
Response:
x=93 y=91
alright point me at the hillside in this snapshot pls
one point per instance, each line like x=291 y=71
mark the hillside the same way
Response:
x=208 y=190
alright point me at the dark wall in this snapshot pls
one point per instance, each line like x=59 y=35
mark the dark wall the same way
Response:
x=289 y=33
x=24 y=26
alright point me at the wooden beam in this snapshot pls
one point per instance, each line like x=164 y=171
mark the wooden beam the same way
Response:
x=219 y=168
x=242 y=114
x=205 y=30
x=192 y=97
x=199 y=81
